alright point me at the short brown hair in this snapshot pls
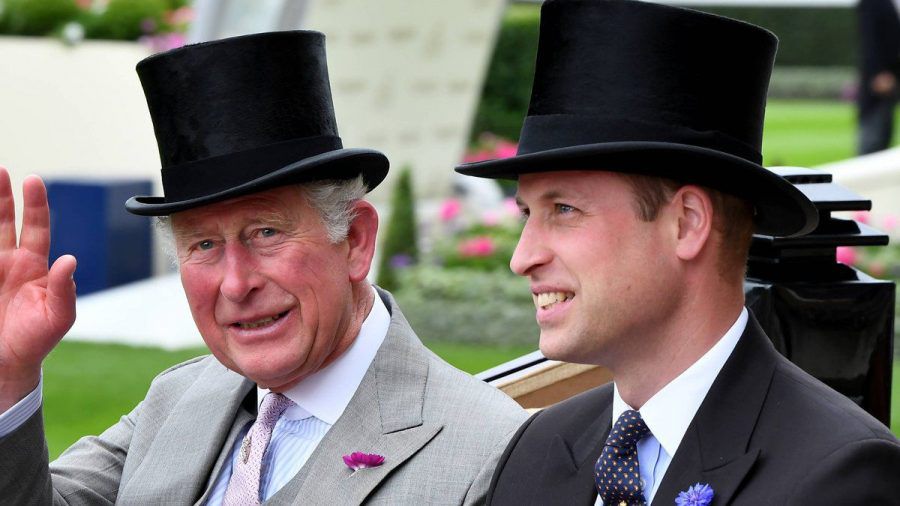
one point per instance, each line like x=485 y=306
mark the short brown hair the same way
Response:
x=732 y=217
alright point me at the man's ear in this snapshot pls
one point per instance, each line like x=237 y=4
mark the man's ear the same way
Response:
x=361 y=240
x=694 y=210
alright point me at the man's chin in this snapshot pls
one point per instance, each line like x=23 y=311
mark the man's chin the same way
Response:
x=553 y=347
x=265 y=376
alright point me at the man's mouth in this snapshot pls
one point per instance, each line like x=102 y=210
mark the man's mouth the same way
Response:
x=262 y=322
x=547 y=300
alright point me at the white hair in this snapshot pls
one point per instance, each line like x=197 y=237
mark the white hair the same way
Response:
x=333 y=199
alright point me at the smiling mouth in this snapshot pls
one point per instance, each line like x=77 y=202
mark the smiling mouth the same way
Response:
x=259 y=323
x=547 y=300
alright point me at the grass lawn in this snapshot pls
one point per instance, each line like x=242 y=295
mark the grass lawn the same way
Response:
x=807 y=133
x=87 y=387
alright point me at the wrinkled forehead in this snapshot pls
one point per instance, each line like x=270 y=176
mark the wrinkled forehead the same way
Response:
x=283 y=204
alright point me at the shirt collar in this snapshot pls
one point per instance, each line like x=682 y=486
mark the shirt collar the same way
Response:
x=326 y=393
x=669 y=412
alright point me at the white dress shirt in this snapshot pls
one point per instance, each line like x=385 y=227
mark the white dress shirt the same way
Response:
x=14 y=417
x=670 y=411
x=320 y=400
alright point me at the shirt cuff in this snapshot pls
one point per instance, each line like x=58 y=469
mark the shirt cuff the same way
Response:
x=15 y=416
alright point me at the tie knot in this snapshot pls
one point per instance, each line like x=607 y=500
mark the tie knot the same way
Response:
x=271 y=408
x=628 y=430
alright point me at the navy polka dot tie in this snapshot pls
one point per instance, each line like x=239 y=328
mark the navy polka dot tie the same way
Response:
x=617 y=472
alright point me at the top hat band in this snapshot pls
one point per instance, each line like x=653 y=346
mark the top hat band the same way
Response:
x=219 y=173
x=552 y=131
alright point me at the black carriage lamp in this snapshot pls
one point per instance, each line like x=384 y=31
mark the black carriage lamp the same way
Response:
x=833 y=320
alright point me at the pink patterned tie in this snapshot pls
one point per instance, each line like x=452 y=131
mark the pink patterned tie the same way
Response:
x=243 y=487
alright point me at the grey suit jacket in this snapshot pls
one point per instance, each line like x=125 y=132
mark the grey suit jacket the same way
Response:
x=440 y=430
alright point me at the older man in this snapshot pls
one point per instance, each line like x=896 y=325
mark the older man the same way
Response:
x=317 y=391
x=639 y=175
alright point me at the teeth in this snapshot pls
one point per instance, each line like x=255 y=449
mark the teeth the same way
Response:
x=548 y=299
x=258 y=323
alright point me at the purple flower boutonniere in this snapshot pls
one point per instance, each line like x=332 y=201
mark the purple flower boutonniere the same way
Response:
x=698 y=495
x=360 y=460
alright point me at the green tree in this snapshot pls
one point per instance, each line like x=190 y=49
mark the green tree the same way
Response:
x=399 y=246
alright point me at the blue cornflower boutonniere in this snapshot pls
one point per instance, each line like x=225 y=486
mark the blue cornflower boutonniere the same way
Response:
x=360 y=460
x=698 y=495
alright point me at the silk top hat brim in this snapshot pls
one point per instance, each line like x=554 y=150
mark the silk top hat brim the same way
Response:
x=242 y=115
x=780 y=208
x=637 y=87
x=338 y=164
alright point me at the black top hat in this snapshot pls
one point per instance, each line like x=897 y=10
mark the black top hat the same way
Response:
x=245 y=114
x=631 y=86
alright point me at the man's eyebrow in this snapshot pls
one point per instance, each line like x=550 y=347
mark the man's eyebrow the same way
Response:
x=277 y=219
x=547 y=195
x=187 y=234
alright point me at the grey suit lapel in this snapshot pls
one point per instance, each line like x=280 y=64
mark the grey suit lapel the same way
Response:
x=716 y=447
x=384 y=417
x=178 y=463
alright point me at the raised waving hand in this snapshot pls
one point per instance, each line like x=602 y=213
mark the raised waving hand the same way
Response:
x=37 y=304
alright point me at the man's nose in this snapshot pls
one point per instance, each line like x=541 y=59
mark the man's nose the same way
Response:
x=241 y=276
x=530 y=252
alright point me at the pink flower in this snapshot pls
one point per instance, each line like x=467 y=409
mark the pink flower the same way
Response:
x=477 y=156
x=877 y=269
x=481 y=246
x=83 y=4
x=861 y=216
x=511 y=207
x=360 y=460
x=180 y=16
x=890 y=222
x=450 y=209
x=490 y=218
x=148 y=25
x=163 y=42
x=505 y=149
x=846 y=255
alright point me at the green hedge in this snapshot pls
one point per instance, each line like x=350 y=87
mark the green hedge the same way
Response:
x=400 y=244
x=507 y=86
x=35 y=17
x=470 y=306
x=809 y=37
x=117 y=19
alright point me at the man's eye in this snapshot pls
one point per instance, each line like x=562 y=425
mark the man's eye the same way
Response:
x=268 y=232
x=205 y=245
x=564 y=208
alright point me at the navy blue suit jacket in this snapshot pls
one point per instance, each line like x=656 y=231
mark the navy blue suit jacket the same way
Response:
x=767 y=433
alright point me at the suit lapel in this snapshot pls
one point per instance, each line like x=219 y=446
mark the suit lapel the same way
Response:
x=384 y=417
x=715 y=449
x=179 y=461
x=569 y=464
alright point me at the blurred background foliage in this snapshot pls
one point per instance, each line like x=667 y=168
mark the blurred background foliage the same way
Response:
x=400 y=246
x=74 y=20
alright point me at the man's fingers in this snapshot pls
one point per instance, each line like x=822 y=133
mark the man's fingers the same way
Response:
x=35 y=217
x=61 y=290
x=7 y=212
